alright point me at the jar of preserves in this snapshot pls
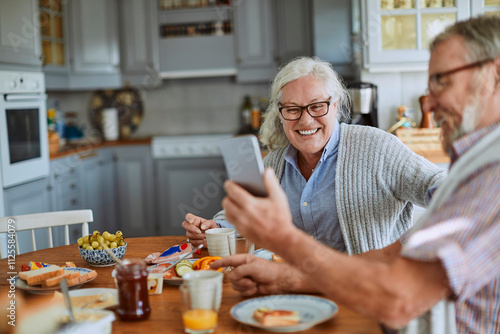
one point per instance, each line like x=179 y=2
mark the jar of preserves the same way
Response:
x=133 y=297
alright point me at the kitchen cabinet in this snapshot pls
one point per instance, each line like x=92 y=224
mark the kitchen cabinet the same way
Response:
x=486 y=7
x=188 y=185
x=139 y=56
x=256 y=54
x=19 y=34
x=94 y=44
x=32 y=197
x=396 y=38
x=67 y=193
x=196 y=42
x=293 y=29
x=99 y=186
x=332 y=34
x=135 y=190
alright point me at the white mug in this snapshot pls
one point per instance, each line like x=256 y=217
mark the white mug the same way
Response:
x=217 y=241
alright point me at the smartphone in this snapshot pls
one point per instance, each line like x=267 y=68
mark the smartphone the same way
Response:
x=243 y=161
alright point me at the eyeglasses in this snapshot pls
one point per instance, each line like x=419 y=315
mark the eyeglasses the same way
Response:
x=435 y=86
x=315 y=110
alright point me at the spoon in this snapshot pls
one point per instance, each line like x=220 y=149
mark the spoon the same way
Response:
x=113 y=256
x=64 y=289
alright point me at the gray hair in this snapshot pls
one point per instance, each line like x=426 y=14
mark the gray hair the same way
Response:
x=271 y=132
x=481 y=37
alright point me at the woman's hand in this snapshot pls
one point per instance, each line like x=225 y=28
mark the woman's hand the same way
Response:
x=195 y=229
x=266 y=221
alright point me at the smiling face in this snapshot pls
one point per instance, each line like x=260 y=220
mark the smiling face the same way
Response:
x=459 y=107
x=308 y=135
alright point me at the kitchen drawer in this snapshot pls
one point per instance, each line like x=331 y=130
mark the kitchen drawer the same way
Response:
x=60 y=172
x=73 y=202
x=69 y=186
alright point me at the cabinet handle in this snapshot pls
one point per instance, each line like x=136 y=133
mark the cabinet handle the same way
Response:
x=101 y=163
x=72 y=186
x=71 y=170
x=56 y=175
x=49 y=187
x=74 y=201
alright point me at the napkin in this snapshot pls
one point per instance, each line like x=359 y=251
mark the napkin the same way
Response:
x=171 y=254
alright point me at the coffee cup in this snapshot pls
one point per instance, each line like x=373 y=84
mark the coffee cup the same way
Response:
x=217 y=241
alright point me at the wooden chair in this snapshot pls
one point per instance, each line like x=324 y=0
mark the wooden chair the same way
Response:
x=45 y=220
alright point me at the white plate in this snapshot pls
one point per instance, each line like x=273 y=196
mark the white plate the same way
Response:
x=264 y=254
x=47 y=291
x=96 y=291
x=176 y=280
x=312 y=310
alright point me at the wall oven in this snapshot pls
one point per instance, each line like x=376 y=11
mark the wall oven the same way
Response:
x=24 y=152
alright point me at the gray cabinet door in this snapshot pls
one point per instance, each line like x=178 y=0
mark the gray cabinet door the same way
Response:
x=19 y=33
x=98 y=180
x=32 y=197
x=255 y=40
x=139 y=54
x=294 y=29
x=134 y=166
x=188 y=186
x=94 y=36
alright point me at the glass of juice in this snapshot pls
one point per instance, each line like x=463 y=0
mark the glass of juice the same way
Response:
x=199 y=308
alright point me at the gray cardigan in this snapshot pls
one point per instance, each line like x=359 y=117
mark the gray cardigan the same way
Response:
x=381 y=178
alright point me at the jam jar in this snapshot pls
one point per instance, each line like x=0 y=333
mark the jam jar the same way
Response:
x=133 y=297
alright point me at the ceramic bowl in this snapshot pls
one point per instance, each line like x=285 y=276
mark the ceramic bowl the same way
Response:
x=100 y=258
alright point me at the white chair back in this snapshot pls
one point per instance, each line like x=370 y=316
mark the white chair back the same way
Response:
x=14 y=224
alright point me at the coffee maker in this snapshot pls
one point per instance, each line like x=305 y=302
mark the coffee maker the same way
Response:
x=363 y=109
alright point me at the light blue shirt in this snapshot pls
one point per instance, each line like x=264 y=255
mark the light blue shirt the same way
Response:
x=312 y=202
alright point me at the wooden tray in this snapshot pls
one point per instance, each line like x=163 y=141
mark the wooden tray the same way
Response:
x=424 y=142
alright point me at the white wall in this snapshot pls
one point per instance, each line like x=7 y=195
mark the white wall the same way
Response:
x=396 y=89
x=178 y=107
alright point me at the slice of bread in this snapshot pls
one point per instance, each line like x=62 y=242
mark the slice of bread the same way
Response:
x=82 y=278
x=68 y=274
x=271 y=318
x=34 y=277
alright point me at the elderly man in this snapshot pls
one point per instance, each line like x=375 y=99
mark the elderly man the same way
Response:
x=453 y=252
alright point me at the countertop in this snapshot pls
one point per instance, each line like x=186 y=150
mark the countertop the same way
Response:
x=85 y=146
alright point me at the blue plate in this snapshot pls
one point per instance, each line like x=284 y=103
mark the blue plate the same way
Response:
x=312 y=311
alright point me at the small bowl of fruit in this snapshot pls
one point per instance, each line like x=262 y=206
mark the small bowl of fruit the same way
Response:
x=92 y=251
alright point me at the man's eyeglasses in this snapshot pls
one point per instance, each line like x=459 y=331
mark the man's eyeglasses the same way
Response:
x=435 y=86
x=315 y=110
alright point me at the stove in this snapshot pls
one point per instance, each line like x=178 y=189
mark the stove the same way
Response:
x=172 y=147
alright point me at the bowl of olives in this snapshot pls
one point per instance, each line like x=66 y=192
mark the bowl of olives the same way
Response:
x=92 y=251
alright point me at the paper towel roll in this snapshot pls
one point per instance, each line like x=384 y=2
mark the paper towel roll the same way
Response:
x=110 y=127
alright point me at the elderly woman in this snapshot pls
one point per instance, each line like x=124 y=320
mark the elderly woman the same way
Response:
x=351 y=187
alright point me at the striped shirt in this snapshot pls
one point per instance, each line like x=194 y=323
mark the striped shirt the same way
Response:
x=464 y=234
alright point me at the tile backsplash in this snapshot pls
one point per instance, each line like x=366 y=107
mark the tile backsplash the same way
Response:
x=177 y=107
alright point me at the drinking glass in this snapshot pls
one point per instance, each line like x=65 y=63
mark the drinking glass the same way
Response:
x=238 y=244
x=199 y=312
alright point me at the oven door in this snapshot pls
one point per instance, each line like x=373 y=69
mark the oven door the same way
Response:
x=23 y=138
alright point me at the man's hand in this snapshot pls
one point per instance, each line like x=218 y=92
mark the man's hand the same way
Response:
x=252 y=275
x=266 y=221
x=195 y=229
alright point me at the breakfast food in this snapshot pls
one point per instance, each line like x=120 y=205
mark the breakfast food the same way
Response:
x=52 y=275
x=186 y=266
x=171 y=254
x=93 y=241
x=183 y=267
x=34 y=277
x=271 y=318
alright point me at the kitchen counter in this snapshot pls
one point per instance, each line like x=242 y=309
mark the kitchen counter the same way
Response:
x=86 y=148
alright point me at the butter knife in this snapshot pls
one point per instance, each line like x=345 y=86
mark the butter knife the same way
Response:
x=64 y=289
x=181 y=257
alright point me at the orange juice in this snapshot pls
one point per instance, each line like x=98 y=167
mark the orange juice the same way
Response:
x=199 y=319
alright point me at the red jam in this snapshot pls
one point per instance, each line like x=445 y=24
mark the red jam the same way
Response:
x=133 y=297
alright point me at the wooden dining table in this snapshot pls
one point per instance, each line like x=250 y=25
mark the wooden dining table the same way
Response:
x=165 y=308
